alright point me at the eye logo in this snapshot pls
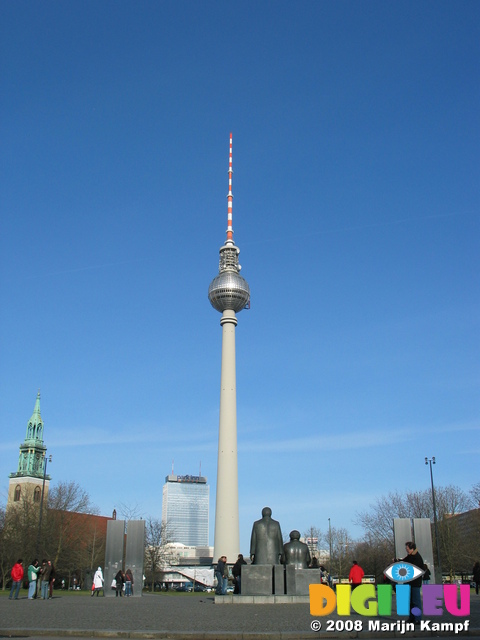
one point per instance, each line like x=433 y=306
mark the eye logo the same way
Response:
x=403 y=572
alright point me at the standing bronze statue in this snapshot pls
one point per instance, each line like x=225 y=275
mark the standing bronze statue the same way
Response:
x=296 y=553
x=266 y=545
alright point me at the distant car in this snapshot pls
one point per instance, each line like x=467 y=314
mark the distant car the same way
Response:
x=199 y=587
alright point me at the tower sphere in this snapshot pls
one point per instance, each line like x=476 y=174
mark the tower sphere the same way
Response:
x=230 y=291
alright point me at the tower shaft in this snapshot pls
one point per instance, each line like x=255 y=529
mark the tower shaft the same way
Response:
x=227 y=527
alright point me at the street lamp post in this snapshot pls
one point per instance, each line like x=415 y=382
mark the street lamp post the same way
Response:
x=49 y=459
x=330 y=546
x=439 y=566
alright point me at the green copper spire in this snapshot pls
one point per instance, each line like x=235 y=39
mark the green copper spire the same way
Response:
x=35 y=424
x=31 y=461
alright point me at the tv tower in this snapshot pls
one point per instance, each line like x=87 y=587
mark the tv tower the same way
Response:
x=228 y=293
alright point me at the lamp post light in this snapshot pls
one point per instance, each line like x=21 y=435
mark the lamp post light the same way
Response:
x=330 y=546
x=49 y=459
x=439 y=566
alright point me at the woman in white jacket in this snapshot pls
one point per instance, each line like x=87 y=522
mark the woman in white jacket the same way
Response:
x=97 y=581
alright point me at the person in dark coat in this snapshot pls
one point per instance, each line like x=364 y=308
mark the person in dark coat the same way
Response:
x=414 y=557
x=219 y=574
x=237 y=574
x=51 y=580
x=119 y=582
x=476 y=576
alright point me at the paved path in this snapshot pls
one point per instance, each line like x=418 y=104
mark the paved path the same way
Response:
x=183 y=617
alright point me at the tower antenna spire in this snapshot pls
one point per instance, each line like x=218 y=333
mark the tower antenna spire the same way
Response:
x=230 y=195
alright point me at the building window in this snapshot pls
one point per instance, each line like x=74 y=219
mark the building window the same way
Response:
x=17 y=494
x=36 y=494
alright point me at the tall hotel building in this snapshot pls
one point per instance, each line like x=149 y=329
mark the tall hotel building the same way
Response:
x=185 y=509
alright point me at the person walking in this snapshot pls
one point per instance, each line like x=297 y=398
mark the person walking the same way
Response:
x=97 y=582
x=356 y=574
x=32 y=574
x=17 y=578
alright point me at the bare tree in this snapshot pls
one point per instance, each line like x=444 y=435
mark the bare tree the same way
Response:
x=69 y=496
x=313 y=538
x=475 y=493
x=341 y=545
x=129 y=511
x=158 y=554
x=373 y=556
x=66 y=534
x=378 y=520
x=5 y=562
x=19 y=533
x=450 y=501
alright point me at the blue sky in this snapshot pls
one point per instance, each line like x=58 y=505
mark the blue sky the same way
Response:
x=356 y=200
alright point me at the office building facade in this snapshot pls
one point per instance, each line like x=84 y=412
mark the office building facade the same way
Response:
x=185 y=509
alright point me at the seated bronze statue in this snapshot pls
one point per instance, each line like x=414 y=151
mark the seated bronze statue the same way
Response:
x=295 y=552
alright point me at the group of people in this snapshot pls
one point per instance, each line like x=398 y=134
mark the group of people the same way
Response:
x=42 y=576
x=123 y=581
x=221 y=574
x=40 y=579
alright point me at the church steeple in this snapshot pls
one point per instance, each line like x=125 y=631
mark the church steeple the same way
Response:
x=26 y=481
x=35 y=425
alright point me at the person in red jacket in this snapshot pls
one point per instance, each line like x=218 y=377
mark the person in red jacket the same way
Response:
x=356 y=574
x=17 y=578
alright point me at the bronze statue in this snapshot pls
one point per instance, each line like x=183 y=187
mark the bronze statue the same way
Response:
x=296 y=552
x=266 y=545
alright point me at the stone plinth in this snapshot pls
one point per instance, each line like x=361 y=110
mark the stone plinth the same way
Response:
x=298 y=580
x=279 y=580
x=231 y=599
x=257 y=580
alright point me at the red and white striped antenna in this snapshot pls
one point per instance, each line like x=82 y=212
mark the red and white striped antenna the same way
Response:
x=230 y=195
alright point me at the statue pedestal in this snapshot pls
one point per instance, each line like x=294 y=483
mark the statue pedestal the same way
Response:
x=231 y=599
x=298 y=580
x=277 y=580
x=257 y=579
